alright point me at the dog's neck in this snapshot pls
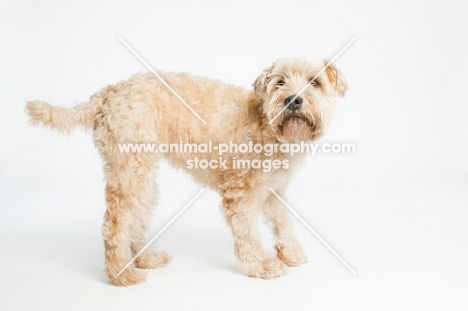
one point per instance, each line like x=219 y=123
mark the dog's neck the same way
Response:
x=259 y=120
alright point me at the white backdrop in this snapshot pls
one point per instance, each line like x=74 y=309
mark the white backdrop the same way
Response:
x=396 y=210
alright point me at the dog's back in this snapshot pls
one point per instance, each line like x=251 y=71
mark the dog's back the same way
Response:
x=134 y=107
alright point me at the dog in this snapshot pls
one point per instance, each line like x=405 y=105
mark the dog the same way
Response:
x=143 y=110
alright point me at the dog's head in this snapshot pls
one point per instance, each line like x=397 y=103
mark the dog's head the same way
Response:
x=297 y=106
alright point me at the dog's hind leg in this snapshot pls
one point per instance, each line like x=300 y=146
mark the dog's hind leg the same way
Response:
x=150 y=258
x=287 y=247
x=130 y=196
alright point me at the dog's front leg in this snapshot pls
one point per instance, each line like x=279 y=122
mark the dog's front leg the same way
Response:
x=242 y=215
x=287 y=247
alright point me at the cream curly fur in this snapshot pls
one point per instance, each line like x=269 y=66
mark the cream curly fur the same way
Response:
x=143 y=110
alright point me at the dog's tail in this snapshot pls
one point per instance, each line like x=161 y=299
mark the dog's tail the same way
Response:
x=61 y=118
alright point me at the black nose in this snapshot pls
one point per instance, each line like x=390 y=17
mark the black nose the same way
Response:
x=295 y=104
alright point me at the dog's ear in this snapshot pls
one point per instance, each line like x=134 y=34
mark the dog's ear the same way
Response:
x=262 y=80
x=337 y=79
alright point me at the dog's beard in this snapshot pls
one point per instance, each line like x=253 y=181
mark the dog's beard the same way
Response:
x=304 y=124
x=296 y=126
x=299 y=125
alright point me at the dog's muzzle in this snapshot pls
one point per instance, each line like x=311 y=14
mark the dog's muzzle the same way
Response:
x=295 y=104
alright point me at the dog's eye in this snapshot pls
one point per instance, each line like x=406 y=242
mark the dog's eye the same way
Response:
x=313 y=82
x=280 y=83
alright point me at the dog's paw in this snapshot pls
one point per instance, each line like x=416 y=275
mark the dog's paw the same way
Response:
x=293 y=255
x=129 y=276
x=152 y=259
x=269 y=268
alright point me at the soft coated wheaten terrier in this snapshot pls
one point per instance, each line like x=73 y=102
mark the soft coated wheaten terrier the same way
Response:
x=143 y=110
